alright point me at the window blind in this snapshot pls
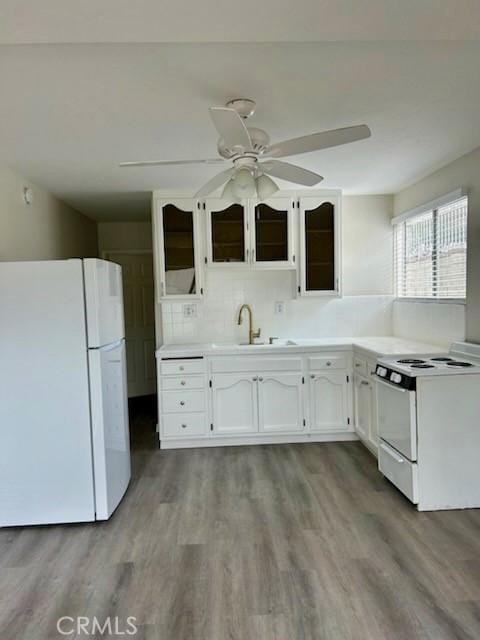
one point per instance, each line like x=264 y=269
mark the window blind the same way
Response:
x=430 y=251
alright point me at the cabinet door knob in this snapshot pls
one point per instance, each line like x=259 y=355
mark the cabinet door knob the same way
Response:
x=182 y=403
x=261 y=379
x=183 y=383
x=181 y=368
x=184 y=426
x=329 y=364
x=312 y=376
x=254 y=379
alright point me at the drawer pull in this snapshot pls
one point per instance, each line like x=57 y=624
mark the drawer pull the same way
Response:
x=365 y=383
x=182 y=403
x=181 y=368
x=312 y=376
x=358 y=364
x=329 y=364
x=184 y=426
x=183 y=383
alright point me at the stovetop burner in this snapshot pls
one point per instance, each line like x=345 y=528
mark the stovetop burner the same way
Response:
x=441 y=359
x=423 y=366
x=456 y=363
x=411 y=361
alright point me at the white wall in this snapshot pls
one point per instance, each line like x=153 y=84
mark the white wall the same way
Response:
x=46 y=229
x=121 y=236
x=365 y=308
x=464 y=172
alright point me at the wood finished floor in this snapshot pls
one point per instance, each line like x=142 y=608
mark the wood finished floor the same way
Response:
x=284 y=542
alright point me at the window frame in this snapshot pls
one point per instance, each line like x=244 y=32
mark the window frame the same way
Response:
x=432 y=207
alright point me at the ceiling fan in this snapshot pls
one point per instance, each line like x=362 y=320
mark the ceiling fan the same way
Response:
x=254 y=158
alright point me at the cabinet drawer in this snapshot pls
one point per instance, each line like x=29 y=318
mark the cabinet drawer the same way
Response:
x=179 y=401
x=399 y=470
x=184 y=424
x=179 y=367
x=360 y=366
x=328 y=362
x=179 y=383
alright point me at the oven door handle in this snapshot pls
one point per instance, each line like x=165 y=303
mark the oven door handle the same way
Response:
x=393 y=455
x=389 y=385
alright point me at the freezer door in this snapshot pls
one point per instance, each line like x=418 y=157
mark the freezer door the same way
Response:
x=110 y=432
x=104 y=302
x=45 y=439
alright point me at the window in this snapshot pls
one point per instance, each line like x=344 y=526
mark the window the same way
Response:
x=431 y=251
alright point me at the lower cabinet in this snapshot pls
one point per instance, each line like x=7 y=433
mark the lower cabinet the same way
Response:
x=328 y=401
x=234 y=403
x=280 y=402
x=245 y=403
x=366 y=410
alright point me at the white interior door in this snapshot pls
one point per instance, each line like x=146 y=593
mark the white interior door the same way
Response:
x=138 y=294
x=280 y=402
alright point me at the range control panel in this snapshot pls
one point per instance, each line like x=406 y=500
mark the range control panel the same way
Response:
x=395 y=378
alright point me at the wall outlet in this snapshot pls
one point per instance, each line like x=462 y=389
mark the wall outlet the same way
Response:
x=190 y=310
x=279 y=307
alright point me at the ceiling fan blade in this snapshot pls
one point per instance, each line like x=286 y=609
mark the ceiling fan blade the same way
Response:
x=317 y=141
x=231 y=128
x=215 y=182
x=155 y=163
x=290 y=172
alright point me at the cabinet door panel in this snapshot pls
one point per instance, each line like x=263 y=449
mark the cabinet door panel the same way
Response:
x=319 y=245
x=280 y=398
x=363 y=407
x=178 y=248
x=226 y=232
x=272 y=228
x=234 y=403
x=328 y=402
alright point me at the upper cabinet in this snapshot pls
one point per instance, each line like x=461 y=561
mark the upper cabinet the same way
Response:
x=227 y=232
x=178 y=248
x=272 y=233
x=319 y=246
x=296 y=232
x=255 y=234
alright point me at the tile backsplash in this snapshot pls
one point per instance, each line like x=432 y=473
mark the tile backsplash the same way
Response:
x=433 y=322
x=215 y=317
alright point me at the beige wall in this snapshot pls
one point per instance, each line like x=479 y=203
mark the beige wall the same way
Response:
x=134 y=236
x=367 y=245
x=464 y=172
x=46 y=229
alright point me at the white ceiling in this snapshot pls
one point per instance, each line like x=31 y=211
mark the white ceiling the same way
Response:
x=34 y=21
x=70 y=113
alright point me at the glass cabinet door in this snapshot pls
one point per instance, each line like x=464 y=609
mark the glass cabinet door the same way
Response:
x=226 y=232
x=319 y=245
x=272 y=225
x=177 y=229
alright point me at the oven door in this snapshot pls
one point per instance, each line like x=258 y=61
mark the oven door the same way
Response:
x=397 y=418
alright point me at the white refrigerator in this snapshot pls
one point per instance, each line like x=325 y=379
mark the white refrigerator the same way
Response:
x=64 y=435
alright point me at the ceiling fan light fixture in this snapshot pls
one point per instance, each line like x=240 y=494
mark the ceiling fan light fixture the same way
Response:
x=244 y=184
x=228 y=192
x=266 y=187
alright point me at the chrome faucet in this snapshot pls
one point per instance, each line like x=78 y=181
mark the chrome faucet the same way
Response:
x=251 y=333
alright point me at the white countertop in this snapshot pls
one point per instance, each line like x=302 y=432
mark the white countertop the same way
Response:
x=375 y=346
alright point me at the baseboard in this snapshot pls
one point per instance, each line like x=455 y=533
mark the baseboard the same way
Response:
x=238 y=441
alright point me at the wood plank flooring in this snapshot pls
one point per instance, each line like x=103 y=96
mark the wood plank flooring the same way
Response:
x=281 y=542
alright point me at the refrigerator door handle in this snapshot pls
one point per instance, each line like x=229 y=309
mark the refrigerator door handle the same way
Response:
x=109 y=347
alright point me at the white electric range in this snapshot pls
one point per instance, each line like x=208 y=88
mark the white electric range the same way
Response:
x=429 y=426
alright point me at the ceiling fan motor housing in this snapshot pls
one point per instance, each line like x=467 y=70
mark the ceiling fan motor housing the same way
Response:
x=260 y=141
